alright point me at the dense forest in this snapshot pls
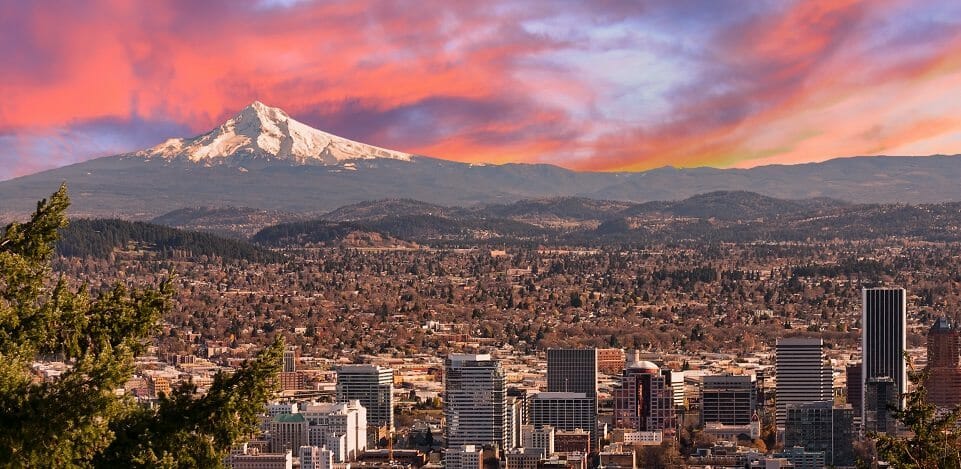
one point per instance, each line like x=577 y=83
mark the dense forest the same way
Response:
x=100 y=238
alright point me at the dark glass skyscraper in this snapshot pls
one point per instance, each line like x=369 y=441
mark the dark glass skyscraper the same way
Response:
x=883 y=325
x=572 y=370
x=575 y=371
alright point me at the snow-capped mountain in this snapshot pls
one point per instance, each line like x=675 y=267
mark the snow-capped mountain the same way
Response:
x=263 y=132
x=263 y=159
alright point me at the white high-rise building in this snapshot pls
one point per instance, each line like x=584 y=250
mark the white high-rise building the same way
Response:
x=515 y=420
x=340 y=427
x=313 y=457
x=804 y=374
x=475 y=406
x=883 y=341
x=373 y=386
x=463 y=457
x=539 y=438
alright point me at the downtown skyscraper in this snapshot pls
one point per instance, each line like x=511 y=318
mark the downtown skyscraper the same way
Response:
x=883 y=340
x=373 y=386
x=804 y=374
x=475 y=401
x=944 y=369
x=574 y=371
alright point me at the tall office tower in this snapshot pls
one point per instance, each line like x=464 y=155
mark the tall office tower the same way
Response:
x=475 y=404
x=518 y=414
x=944 y=373
x=564 y=411
x=803 y=374
x=575 y=371
x=644 y=399
x=760 y=377
x=676 y=381
x=855 y=389
x=820 y=426
x=728 y=400
x=883 y=326
x=373 y=386
x=572 y=370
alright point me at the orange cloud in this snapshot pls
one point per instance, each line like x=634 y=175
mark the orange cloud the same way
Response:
x=495 y=82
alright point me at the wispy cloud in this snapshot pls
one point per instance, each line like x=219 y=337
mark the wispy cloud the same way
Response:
x=601 y=85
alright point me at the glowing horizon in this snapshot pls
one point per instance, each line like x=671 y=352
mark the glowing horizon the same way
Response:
x=605 y=86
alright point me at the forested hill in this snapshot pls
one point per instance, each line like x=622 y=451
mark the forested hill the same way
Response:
x=99 y=238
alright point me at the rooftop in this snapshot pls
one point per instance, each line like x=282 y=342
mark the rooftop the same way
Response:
x=289 y=418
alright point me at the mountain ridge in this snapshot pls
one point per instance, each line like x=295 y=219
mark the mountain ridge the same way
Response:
x=265 y=160
x=731 y=216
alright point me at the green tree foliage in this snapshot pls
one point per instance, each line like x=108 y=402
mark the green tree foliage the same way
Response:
x=77 y=420
x=185 y=431
x=933 y=440
x=99 y=238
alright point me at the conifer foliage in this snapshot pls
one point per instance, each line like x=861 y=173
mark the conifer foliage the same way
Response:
x=78 y=420
x=932 y=439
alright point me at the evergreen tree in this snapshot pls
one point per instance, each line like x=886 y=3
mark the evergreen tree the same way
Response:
x=77 y=420
x=932 y=440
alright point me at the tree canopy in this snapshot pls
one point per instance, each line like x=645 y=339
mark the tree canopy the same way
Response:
x=932 y=439
x=78 y=419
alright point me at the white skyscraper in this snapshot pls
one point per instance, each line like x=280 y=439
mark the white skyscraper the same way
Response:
x=475 y=401
x=340 y=427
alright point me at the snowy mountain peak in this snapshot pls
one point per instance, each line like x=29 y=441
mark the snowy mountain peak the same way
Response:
x=263 y=132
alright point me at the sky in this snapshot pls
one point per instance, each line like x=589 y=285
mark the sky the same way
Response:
x=603 y=85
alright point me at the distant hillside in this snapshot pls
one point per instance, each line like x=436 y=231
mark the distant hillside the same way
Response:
x=304 y=233
x=430 y=227
x=100 y=238
x=732 y=205
x=234 y=222
x=558 y=211
x=413 y=228
x=928 y=222
x=375 y=209
x=722 y=216
x=133 y=187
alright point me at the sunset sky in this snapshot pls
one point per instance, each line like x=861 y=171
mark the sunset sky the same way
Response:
x=599 y=85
